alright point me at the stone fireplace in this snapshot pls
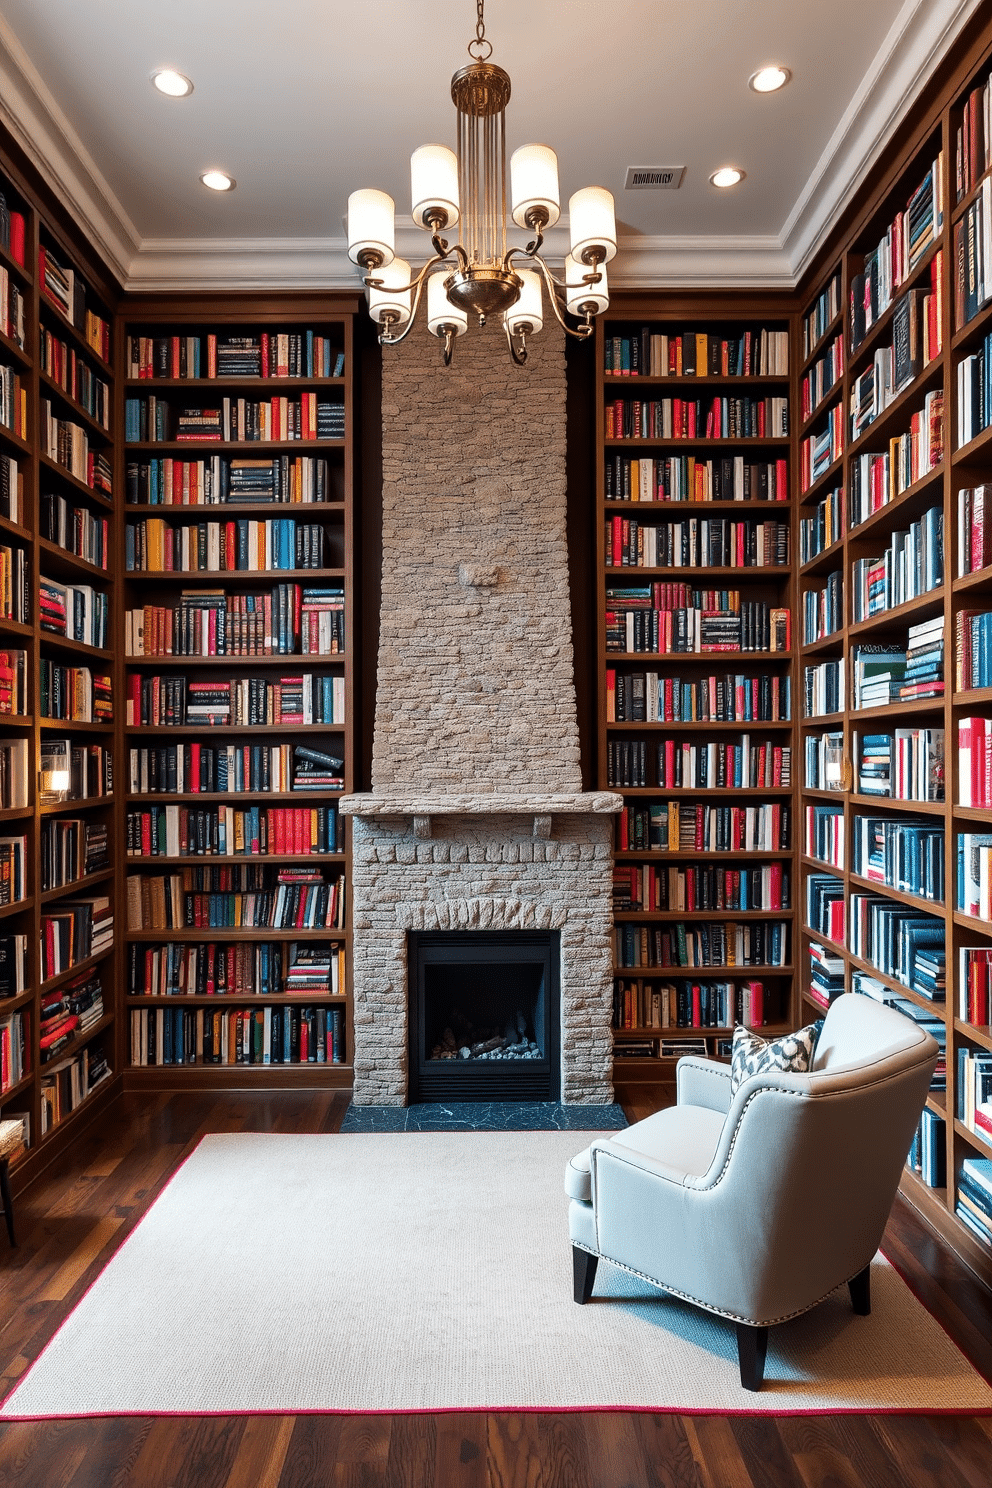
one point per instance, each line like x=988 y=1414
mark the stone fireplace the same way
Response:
x=476 y=821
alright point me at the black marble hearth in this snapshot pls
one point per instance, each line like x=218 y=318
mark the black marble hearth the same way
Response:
x=484 y=1116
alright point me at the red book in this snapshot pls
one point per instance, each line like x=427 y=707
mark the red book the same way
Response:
x=17 y=237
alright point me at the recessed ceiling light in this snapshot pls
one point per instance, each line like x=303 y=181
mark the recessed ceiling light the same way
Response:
x=727 y=175
x=769 y=79
x=217 y=180
x=173 y=84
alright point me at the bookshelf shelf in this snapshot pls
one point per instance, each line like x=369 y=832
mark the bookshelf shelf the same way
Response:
x=727 y=444
x=194 y=447
x=77 y=886
x=977 y=451
x=220 y=1000
x=19 y=353
x=75 y=725
x=88 y=964
x=830 y=397
x=286 y=661
x=51 y=467
x=827 y=335
x=21 y=1087
x=974 y=1034
x=226 y=730
x=52 y=389
x=226 y=860
x=313 y=510
x=822 y=483
x=200 y=385
x=60 y=564
x=88 y=803
x=213 y=576
x=17 y=907
x=323 y=934
x=921 y=608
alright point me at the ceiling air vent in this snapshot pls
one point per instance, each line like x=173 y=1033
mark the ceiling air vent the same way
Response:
x=654 y=177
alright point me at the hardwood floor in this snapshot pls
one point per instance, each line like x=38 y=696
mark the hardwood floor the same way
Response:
x=71 y=1220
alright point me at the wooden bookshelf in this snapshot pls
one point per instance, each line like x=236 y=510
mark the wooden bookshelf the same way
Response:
x=257 y=643
x=840 y=871
x=704 y=1001
x=65 y=451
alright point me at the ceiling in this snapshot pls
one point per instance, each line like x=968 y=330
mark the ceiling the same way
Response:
x=304 y=104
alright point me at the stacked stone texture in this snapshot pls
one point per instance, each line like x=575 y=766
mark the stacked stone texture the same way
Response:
x=476 y=697
x=475 y=682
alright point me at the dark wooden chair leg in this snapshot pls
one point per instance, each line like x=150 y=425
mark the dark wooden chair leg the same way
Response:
x=583 y=1274
x=860 y=1289
x=752 y=1346
x=8 y=1203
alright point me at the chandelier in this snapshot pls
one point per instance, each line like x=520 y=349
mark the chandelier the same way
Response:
x=480 y=275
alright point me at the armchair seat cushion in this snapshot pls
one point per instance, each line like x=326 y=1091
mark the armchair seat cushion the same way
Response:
x=683 y=1137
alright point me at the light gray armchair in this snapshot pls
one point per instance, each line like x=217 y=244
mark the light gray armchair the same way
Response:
x=757 y=1206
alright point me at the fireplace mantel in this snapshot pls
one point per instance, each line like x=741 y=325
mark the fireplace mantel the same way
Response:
x=423 y=807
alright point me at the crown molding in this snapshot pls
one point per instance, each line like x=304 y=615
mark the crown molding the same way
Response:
x=43 y=132
x=188 y=265
x=918 y=40
x=177 y=265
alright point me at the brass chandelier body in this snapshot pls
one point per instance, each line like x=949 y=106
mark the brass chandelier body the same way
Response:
x=486 y=278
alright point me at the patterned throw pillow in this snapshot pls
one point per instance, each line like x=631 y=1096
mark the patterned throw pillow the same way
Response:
x=752 y=1054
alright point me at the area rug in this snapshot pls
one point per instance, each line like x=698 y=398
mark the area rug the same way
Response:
x=428 y=1272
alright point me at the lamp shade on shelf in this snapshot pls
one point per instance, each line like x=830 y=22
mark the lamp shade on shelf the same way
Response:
x=580 y=297
x=434 y=185
x=592 y=223
x=370 y=225
x=527 y=315
x=393 y=302
x=534 y=183
x=441 y=313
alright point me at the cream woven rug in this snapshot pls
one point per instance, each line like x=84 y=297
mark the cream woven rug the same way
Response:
x=432 y=1271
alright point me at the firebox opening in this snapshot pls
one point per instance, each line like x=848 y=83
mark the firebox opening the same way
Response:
x=485 y=1013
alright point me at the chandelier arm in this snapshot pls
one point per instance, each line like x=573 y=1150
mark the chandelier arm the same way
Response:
x=581 y=332
x=520 y=357
x=372 y=283
x=417 y=284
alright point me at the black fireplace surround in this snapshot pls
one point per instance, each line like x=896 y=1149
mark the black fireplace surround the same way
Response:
x=485 y=1015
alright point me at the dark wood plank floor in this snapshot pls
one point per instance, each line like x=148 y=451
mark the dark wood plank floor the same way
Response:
x=71 y=1220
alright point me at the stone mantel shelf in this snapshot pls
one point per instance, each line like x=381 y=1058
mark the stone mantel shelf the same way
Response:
x=382 y=805
x=410 y=803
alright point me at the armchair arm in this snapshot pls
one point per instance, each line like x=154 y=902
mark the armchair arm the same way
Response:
x=703 y=1082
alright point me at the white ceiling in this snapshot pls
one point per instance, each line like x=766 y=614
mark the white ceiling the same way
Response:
x=306 y=102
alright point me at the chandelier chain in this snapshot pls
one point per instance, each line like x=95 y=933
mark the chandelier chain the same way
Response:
x=481 y=49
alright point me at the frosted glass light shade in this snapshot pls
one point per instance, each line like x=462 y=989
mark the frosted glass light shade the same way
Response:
x=441 y=313
x=577 y=293
x=370 y=225
x=534 y=183
x=393 y=296
x=592 y=222
x=529 y=310
x=434 y=184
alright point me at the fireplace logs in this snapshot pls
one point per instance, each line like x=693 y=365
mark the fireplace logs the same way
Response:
x=463 y=1039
